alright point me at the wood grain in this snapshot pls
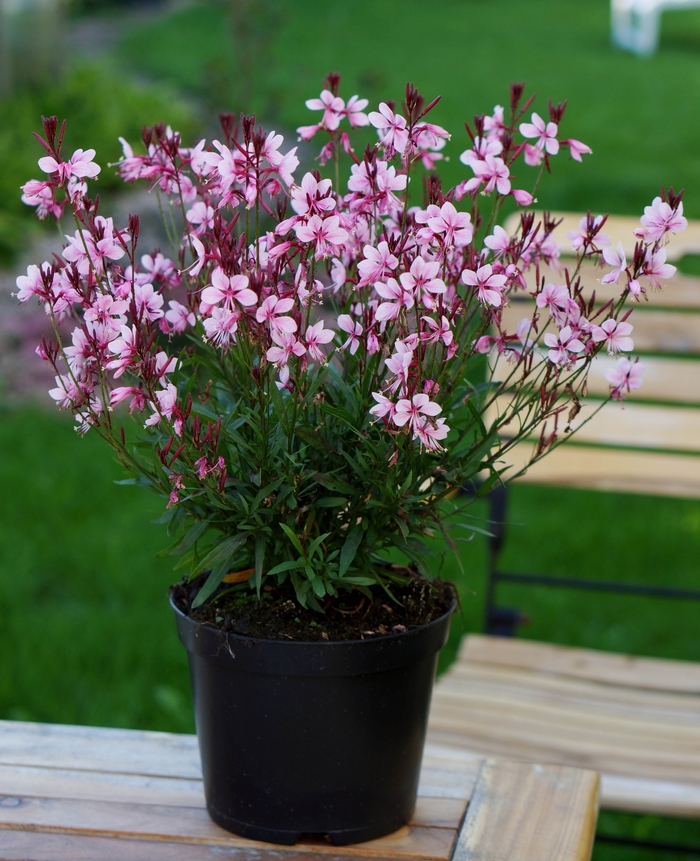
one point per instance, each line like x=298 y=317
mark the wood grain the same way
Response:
x=530 y=813
x=655 y=674
x=567 y=707
x=572 y=465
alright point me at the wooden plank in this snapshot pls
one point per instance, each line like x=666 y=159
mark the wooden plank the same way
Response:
x=43 y=846
x=620 y=424
x=670 y=380
x=51 y=782
x=571 y=465
x=530 y=813
x=447 y=773
x=627 y=670
x=618 y=228
x=655 y=331
x=118 y=751
x=192 y=825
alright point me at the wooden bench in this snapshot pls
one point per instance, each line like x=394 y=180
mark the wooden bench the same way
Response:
x=70 y=793
x=634 y=720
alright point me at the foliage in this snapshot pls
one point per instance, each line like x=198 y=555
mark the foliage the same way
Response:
x=102 y=105
x=285 y=460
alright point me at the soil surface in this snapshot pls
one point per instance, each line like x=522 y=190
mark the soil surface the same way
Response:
x=350 y=616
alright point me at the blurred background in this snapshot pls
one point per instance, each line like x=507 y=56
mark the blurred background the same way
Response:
x=86 y=633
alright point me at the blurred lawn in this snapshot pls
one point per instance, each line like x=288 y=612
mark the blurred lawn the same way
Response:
x=86 y=628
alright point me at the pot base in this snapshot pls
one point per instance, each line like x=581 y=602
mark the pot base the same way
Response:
x=289 y=838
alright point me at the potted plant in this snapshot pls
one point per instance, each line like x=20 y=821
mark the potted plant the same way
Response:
x=307 y=377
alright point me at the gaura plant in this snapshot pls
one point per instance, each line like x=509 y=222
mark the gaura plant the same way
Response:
x=315 y=364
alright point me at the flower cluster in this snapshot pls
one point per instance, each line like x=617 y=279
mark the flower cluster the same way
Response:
x=307 y=359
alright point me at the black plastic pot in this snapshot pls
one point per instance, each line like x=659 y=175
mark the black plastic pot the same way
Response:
x=311 y=737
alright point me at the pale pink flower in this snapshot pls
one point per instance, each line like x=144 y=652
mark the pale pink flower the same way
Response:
x=32 y=283
x=494 y=172
x=422 y=281
x=377 y=264
x=428 y=432
x=546 y=134
x=625 y=377
x=489 y=287
x=315 y=336
x=556 y=298
x=201 y=215
x=332 y=107
x=383 y=407
x=326 y=234
x=577 y=149
x=164 y=406
x=286 y=346
x=354 y=111
x=498 y=241
x=616 y=333
x=582 y=235
x=494 y=125
x=453 y=228
x=562 y=346
x=353 y=329
x=391 y=127
x=480 y=149
x=522 y=197
x=398 y=297
x=220 y=328
x=410 y=411
x=618 y=260
x=271 y=312
x=533 y=155
x=149 y=303
x=229 y=290
x=659 y=219
x=80 y=164
x=656 y=268
x=179 y=316
x=312 y=197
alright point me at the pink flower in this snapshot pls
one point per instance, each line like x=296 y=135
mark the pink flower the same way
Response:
x=422 y=281
x=489 y=287
x=625 y=377
x=312 y=197
x=354 y=330
x=494 y=172
x=331 y=105
x=399 y=297
x=659 y=219
x=179 y=316
x=546 y=134
x=655 y=267
x=618 y=260
x=80 y=164
x=377 y=264
x=270 y=312
x=562 y=345
x=229 y=290
x=453 y=228
x=221 y=327
x=429 y=432
x=498 y=242
x=577 y=149
x=326 y=234
x=164 y=406
x=391 y=127
x=149 y=303
x=315 y=336
x=522 y=198
x=384 y=406
x=286 y=346
x=410 y=411
x=616 y=334
x=354 y=111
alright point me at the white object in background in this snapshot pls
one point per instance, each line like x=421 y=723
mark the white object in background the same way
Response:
x=635 y=23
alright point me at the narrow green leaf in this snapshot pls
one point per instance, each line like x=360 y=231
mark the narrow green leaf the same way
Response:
x=292 y=537
x=212 y=582
x=330 y=502
x=260 y=542
x=286 y=566
x=221 y=551
x=192 y=535
x=350 y=545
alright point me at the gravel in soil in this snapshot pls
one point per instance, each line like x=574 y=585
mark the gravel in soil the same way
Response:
x=349 y=616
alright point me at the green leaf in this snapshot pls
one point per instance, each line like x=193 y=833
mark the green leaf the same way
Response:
x=286 y=566
x=212 y=582
x=260 y=542
x=350 y=545
x=332 y=483
x=292 y=537
x=316 y=543
x=330 y=502
x=192 y=535
x=222 y=551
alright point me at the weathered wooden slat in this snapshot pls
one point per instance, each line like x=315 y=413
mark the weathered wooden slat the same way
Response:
x=664 y=379
x=118 y=751
x=510 y=815
x=655 y=674
x=618 y=228
x=47 y=846
x=654 y=331
x=617 y=424
x=447 y=773
x=192 y=825
x=572 y=465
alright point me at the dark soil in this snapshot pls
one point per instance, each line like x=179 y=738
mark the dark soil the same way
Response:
x=350 y=616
